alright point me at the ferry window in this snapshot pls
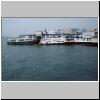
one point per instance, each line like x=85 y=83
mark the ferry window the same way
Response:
x=13 y=40
x=89 y=39
x=34 y=36
x=30 y=36
x=21 y=40
x=27 y=39
x=21 y=36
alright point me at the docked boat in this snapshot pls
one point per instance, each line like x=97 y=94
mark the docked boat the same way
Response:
x=60 y=40
x=52 y=39
x=24 y=40
x=86 y=38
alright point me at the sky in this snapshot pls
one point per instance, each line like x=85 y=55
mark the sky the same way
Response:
x=15 y=26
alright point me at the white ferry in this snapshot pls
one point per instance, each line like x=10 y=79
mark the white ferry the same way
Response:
x=52 y=39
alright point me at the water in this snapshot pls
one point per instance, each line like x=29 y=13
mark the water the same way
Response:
x=49 y=62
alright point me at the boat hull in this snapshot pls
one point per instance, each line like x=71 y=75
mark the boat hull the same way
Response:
x=24 y=43
x=83 y=43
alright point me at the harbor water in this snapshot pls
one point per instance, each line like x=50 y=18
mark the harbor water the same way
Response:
x=49 y=62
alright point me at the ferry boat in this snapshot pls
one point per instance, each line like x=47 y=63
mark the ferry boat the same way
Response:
x=52 y=39
x=87 y=38
x=24 y=40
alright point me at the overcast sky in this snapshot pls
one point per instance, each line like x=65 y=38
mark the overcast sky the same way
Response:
x=16 y=26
